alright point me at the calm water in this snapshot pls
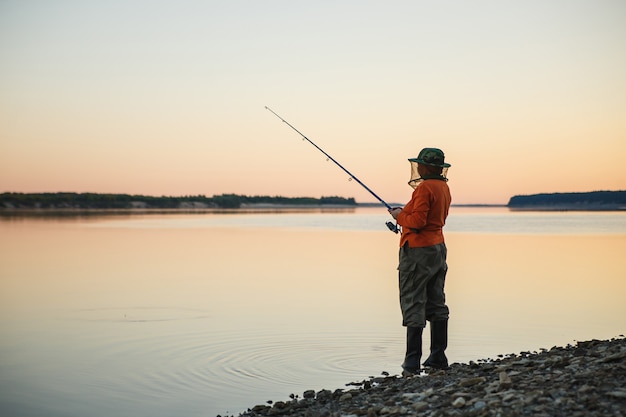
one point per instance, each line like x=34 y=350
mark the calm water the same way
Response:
x=206 y=314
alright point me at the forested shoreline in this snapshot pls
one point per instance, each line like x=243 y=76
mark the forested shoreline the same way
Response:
x=595 y=200
x=9 y=201
x=13 y=201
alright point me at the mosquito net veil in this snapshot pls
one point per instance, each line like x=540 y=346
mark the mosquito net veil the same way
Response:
x=416 y=178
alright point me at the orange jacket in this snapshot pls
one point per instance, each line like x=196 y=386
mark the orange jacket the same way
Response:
x=423 y=218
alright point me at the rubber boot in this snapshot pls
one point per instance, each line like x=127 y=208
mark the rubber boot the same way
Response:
x=438 y=345
x=411 y=365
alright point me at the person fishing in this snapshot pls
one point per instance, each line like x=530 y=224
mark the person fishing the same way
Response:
x=422 y=263
x=422 y=267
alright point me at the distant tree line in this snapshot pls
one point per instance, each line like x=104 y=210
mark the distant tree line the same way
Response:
x=595 y=200
x=127 y=201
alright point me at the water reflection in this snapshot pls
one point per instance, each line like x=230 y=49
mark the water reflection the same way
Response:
x=85 y=214
x=174 y=315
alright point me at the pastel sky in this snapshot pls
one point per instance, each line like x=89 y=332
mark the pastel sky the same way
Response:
x=167 y=97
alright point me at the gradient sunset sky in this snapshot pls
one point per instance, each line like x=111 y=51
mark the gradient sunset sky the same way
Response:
x=167 y=97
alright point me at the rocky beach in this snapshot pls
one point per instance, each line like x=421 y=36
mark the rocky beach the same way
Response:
x=583 y=379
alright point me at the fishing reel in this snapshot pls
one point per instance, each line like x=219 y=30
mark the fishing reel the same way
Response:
x=393 y=227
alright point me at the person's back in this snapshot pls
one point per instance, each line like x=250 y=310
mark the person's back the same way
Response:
x=425 y=215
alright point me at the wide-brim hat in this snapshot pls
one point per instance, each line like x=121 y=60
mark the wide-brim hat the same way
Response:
x=431 y=156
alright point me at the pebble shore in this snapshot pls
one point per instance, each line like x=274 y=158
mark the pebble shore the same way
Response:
x=585 y=379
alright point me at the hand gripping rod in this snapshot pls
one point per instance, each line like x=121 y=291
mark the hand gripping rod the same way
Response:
x=394 y=228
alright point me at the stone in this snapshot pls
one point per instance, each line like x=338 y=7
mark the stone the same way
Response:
x=324 y=395
x=420 y=406
x=260 y=408
x=505 y=380
x=618 y=394
x=509 y=396
x=468 y=382
x=279 y=404
x=616 y=357
x=459 y=402
x=479 y=405
x=585 y=380
x=345 y=397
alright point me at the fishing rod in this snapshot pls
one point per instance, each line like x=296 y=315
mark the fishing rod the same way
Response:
x=393 y=227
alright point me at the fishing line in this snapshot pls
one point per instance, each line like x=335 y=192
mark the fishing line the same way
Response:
x=393 y=227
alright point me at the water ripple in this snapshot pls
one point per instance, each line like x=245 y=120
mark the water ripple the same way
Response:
x=228 y=362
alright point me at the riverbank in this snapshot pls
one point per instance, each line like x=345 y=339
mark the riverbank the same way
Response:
x=70 y=200
x=584 y=379
x=588 y=201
